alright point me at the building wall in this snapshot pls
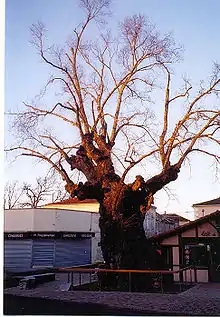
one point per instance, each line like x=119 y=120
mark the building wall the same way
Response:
x=202 y=276
x=42 y=219
x=189 y=233
x=50 y=220
x=155 y=224
x=198 y=210
x=176 y=263
x=67 y=220
x=205 y=230
x=18 y=220
x=170 y=241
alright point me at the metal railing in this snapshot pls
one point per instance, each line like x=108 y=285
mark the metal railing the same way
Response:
x=185 y=276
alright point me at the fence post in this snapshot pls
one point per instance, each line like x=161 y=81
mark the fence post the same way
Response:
x=80 y=280
x=195 y=274
x=184 y=278
x=161 y=282
x=100 y=277
x=72 y=279
x=190 y=271
x=129 y=281
x=180 y=282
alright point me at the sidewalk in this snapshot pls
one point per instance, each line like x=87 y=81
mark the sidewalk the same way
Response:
x=203 y=299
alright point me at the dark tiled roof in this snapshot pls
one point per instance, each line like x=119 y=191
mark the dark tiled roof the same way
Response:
x=175 y=216
x=185 y=227
x=215 y=201
x=71 y=201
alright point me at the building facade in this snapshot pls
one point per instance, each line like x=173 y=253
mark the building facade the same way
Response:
x=196 y=243
x=206 y=207
x=50 y=238
x=62 y=234
x=154 y=223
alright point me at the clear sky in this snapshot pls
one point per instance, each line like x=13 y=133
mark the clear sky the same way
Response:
x=195 y=24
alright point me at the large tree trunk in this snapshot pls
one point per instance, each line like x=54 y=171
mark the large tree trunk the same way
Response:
x=122 y=209
x=123 y=241
x=124 y=246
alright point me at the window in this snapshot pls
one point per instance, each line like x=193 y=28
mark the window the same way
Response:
x=168 y=260
x=196 y=255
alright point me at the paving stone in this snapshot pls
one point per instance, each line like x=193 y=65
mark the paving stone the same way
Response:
x=202 y=299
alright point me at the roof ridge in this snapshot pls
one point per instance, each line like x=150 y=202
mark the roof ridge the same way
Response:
x=182 y=227
x=209 y=202
x=69 y=201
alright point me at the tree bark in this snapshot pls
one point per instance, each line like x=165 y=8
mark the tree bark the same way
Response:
x=122 y=211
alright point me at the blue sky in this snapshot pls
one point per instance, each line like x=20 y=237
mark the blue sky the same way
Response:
x=195 y=24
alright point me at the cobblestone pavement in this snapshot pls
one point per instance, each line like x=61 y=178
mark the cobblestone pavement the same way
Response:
x=199 y=300
x=62 y=279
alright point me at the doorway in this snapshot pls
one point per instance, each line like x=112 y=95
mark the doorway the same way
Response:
x=214 y=256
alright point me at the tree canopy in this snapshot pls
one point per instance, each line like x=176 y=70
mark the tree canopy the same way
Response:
x=108 y=122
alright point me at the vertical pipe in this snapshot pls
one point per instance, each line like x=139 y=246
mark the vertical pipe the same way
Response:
x=68 y=277
x=190 y=272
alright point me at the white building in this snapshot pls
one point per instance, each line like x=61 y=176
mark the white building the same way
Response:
x=62 y=234
x=206 y=207
x=50 y=238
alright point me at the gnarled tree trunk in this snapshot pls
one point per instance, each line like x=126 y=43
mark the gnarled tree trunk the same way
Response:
x=122 y=210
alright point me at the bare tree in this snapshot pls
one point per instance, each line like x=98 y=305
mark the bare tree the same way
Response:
x=43 y=191
x=106 y=106
x=46 y=189
x=12 y=195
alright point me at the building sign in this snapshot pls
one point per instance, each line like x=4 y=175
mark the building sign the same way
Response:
x=187 y=254
x=68 y=235
x=207 y=230
x=47 y=235
x=16 y=235
x=43 y=235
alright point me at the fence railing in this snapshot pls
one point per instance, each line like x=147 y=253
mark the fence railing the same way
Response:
x=183 y=277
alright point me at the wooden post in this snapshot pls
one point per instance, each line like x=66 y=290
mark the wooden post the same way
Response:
x=129 y=281
x=161 y=282
x=80 y=279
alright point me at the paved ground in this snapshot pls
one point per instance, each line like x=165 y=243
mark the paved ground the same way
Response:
x=203 y=299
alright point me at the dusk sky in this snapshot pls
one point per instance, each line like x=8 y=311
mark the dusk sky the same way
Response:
x=194 y=24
